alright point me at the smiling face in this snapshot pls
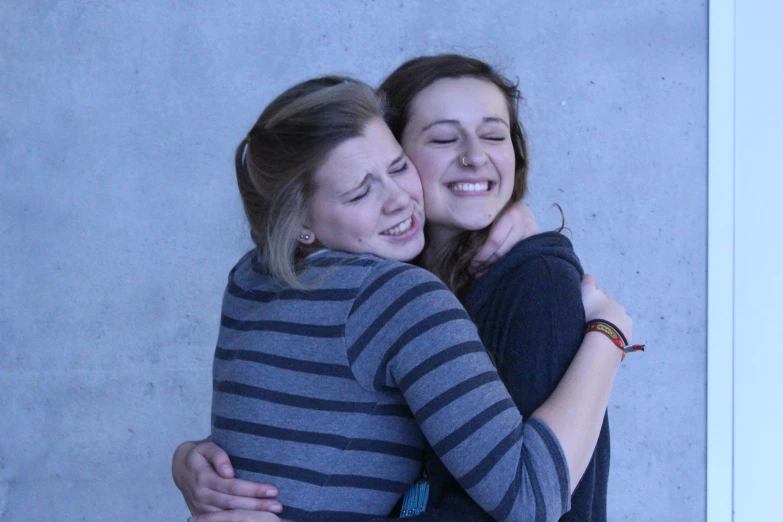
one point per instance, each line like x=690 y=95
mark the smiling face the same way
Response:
x=368 y=198
x=459 y=139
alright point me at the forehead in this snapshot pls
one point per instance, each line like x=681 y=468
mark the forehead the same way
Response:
x=349 y=162
x=450 y=98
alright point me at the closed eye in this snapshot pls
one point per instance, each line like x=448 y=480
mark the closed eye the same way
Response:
x=400 y=169
x=360 y=196
x=443 y=142
x=496 y=138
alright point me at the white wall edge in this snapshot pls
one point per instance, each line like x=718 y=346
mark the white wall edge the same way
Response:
x=720 y=264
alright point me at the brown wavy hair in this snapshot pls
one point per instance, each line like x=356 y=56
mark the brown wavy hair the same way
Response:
x=450 y=263
x=277 y=161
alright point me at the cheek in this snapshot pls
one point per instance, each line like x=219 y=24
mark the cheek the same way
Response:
x=429 y=193
x=506 y=164
x=333 y=222
x=430 y=169
x=411 y=184
x=315 y=214
x=360 y=222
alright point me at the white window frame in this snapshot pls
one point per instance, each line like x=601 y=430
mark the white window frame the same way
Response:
x=720 y=264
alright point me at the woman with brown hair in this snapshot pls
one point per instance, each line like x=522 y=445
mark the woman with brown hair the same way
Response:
x=422 y=371
x=457 y=119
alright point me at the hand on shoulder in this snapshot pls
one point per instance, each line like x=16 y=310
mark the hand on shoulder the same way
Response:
x=511 y=227
x=600 y=305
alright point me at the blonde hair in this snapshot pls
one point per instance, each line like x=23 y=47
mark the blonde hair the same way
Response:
x=277 y=161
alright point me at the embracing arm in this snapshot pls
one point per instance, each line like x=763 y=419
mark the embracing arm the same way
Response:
x=515 y=470
x=531 y=316
x=203 y=473
x=419 y=372
x=575 y=410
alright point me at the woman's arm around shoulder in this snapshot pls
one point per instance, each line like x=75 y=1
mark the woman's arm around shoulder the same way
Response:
x=409 y=333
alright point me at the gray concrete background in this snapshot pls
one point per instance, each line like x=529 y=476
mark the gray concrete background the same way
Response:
x=120 y=218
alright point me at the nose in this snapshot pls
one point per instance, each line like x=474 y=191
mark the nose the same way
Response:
x=396 y=198
x=473 y=154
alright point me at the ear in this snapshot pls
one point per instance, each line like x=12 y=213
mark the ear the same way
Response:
x=306 y=235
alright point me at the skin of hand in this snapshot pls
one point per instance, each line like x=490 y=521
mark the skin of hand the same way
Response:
x=203 y=473
x=511 y=227
x=599 y=305
x=236 y=515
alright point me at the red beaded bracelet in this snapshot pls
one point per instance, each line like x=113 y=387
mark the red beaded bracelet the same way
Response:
x=614 y=334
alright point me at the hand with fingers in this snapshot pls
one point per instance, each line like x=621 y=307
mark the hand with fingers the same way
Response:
x=511 y=227
x=203 y=473
x=600 y=305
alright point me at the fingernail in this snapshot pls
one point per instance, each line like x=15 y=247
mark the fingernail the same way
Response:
x=226 y=469
x=271 y=491
x=276 y=508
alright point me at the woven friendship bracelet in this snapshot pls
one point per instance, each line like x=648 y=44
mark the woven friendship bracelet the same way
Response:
x=614 y=334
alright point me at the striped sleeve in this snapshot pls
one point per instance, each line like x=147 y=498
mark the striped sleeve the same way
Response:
x=406 y=332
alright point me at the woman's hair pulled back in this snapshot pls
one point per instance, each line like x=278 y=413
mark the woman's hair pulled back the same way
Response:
x=451 y=262
x=276 y=163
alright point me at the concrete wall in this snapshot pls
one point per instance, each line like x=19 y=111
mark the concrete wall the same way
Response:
x=119 y=216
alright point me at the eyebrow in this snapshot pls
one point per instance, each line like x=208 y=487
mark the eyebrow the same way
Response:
x=369 y=176
x=366 y=180
x=397 y=159
x=488 y=119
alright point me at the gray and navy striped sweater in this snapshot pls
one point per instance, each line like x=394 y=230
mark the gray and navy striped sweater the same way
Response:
x=329 y=393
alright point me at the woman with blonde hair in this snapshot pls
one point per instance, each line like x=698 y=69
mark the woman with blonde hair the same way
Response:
x=320 y=356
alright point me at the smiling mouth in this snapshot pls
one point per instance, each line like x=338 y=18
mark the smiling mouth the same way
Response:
x=399 y=228
x=462 y=187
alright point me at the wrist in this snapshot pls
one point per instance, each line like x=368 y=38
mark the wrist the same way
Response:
x=603 y=347
x=613 y=334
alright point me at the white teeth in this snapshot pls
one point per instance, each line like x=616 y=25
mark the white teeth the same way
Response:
x=482 y=186
x=399 y=229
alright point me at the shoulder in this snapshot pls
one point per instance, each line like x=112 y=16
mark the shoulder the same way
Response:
x=401 y=316
x=541 y=265
x=547 y=244
x=542 y=252
x=388 y=272
x=401 y=285
x=245 y=264
x=364 y=271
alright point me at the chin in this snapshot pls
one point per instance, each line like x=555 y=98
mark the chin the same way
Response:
x=473 y=224
x=411 y=254
x=405 y=254
x=400 y=256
